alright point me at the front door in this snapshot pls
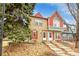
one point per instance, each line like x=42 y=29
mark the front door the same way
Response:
x=50 y=36
x=44 y=36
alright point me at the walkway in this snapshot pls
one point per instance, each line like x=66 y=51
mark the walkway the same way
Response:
x=60 y=49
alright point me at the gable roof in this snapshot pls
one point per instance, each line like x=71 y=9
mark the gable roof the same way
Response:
x=56 y=14
x=38 y=15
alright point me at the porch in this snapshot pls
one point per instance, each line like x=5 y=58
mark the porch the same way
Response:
x=51 y=35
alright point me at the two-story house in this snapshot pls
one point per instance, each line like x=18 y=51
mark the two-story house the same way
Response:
x=37 y=25
x=55 y=27
x=47 y=29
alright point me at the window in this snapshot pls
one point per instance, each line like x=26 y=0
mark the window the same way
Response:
x=34 y=34
x=56 y=22
x=54 y=25
x=38 y=22
x=44 y=35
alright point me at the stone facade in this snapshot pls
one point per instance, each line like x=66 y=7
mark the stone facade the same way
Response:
x=37 y=26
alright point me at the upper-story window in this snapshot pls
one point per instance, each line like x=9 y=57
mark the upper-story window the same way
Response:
x=38 y=22
x=56 y=22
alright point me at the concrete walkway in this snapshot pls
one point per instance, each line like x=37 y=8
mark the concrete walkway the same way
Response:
x=61 y=50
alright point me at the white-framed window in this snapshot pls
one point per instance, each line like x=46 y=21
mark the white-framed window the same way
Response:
x=56 y=22
x=38 y=22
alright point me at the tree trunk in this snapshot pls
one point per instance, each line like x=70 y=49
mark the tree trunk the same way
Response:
x=77 y=37
x=77 y=29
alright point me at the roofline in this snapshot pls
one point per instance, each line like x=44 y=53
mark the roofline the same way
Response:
x=39 y=17
x=72 y=24
x=58 y=14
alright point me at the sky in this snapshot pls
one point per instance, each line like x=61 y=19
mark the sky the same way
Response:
x=47 y=9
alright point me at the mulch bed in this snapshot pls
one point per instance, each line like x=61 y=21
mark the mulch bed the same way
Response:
x=26 y=49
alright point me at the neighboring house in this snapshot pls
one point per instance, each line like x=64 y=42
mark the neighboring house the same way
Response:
x=69 y=33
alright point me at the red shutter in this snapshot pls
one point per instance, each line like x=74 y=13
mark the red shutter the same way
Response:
x=34 y=35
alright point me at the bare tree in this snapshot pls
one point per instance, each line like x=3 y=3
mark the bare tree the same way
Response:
x=74 y=10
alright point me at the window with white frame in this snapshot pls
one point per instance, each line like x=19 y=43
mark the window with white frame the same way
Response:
x=56 y=22
x=38 y=22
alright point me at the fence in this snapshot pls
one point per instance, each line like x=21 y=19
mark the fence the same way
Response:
x=67 y=37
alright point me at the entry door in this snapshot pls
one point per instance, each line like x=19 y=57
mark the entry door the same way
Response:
x=50 y=36
x=44 y=36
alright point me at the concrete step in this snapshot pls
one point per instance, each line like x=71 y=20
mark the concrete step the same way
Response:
x=63 y=55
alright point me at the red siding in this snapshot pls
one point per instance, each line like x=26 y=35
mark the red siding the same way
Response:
x=61 y=24
x=34 y=35
x=52 y=35
x=50 y=21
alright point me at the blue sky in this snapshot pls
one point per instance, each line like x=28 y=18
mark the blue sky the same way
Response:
x=47 y=9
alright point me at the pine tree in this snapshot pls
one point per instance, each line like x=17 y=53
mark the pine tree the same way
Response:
x=16 y=25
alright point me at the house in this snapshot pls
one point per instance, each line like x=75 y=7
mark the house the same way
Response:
x=69 y=33
x=55 y=27
x=47 y=29
x=37 y=24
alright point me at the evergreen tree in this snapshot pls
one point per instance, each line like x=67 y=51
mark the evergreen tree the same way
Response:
x=16 y=25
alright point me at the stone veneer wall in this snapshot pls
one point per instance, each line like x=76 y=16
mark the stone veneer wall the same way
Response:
x=39 y=29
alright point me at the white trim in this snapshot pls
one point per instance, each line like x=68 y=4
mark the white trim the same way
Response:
x=50 y=39
x=44 y=38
